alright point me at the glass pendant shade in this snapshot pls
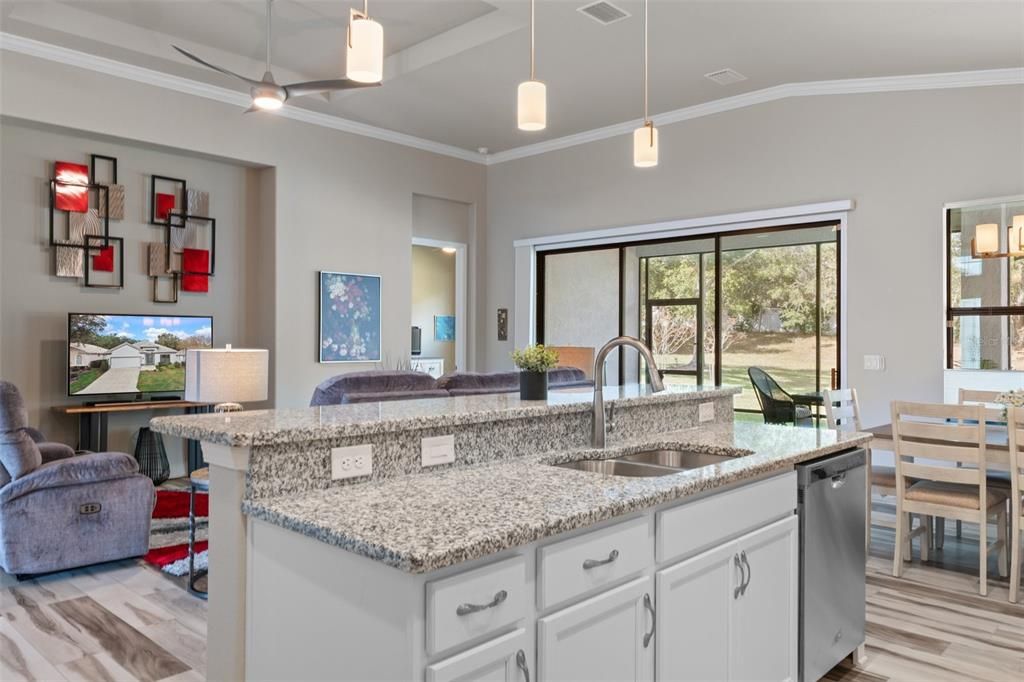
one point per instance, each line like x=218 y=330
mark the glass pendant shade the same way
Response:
x=533 y=105
x=986 y=238
x=645 y=146
x=364 y=54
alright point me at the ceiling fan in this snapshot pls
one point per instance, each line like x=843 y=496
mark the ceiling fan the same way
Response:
x=267 y=95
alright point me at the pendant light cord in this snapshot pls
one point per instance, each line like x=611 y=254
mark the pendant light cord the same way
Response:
x=533 y=59
x=645 y=63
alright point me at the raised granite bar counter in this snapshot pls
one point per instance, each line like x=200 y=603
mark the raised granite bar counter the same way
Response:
x=429 y=521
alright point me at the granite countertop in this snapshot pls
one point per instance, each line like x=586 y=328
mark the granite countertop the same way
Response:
x=270 y=427
x=425 y=522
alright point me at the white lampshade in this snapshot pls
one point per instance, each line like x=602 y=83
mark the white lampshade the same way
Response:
x=226 y=375
x=533 y=105
x=986 y=238
x=645 y=146
x=364 y=54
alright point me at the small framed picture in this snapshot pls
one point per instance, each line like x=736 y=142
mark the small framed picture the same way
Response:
x=350 y=318
x=444 y=327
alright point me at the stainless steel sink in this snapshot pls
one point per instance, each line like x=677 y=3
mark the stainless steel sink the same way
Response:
x=618 y=467
x=676 y=459
x=648 y=463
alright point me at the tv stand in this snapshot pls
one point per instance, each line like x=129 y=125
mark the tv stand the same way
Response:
x=92 y=421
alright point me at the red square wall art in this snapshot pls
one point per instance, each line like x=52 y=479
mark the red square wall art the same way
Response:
x=104 y=260
x=199 y=284
x=72 y=186
x=195 y=264
x=164 y=205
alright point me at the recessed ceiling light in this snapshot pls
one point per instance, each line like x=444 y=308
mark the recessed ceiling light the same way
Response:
x=725 y=76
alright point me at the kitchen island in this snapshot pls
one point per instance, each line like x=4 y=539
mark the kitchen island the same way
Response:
x=501 y=563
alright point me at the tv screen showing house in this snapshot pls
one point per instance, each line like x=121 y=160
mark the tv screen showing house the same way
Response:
x=117 y=354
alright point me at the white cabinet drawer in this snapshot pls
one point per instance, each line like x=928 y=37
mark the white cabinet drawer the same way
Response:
x=475 y=603
x=505 y=659
x=696 y=526
x=579 y=565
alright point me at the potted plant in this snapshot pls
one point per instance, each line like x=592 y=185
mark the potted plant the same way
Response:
x=533 y=363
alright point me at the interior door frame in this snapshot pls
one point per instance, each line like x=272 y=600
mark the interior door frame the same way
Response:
x=461 y=308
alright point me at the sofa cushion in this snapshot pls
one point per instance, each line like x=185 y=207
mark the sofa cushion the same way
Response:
x=19 y=455
x=13 y=415
x=91 y=468
x=386 y=396
x=332 y=391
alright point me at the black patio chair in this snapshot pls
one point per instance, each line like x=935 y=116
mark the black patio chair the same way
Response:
x=777 y=406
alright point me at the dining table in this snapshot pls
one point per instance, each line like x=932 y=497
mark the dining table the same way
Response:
x=997 y=456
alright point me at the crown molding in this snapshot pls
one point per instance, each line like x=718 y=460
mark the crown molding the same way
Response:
x=849 y=86
x=111 y=67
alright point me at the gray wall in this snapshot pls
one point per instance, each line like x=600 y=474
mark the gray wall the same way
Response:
x=342 y=202
x=433 y=293
x=35 y=302
x=900 y=156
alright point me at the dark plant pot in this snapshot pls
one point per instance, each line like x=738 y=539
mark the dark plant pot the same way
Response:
x=533 y=385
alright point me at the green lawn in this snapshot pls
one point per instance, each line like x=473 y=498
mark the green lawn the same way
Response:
x=84 y=379
x=163 y=378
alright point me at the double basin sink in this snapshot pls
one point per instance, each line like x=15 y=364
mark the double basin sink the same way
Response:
x=648 y=463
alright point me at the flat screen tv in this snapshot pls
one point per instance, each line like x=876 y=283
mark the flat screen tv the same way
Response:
x=131 y=354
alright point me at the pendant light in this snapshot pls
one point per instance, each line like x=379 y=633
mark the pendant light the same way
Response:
x=364 y=52
x=533 y=94
x=645 y=138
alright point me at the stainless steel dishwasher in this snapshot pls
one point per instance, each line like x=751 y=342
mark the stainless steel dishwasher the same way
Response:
x=832 y=557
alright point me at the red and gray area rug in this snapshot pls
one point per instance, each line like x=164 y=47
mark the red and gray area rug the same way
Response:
x=168 y=535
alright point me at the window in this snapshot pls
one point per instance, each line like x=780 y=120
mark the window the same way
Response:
x=985 y=296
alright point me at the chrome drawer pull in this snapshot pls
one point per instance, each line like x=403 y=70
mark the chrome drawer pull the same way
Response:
x=746 y=584
x=650 y=607
x=466 y=609
x=521 y=662
x=738 y=590
x=594 y=563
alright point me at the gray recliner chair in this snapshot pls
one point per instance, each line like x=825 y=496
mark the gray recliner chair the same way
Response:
x=59 y=510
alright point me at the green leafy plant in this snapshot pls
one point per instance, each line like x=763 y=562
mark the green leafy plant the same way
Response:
x=535 y=358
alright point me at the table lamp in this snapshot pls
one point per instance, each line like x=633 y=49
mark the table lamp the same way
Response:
x=226 y=376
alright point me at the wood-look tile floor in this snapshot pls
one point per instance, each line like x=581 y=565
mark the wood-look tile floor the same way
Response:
x=127 y=621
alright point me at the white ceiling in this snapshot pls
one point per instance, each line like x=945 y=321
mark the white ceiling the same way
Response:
x=453 y=65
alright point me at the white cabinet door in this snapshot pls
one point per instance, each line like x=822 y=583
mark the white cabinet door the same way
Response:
x=764 y=615
x=694 y=599
x=505 y=659
x=598 y=639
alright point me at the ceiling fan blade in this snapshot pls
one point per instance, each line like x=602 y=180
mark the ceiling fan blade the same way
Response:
x=194 y=58
x=313 y=87
x=251 y=109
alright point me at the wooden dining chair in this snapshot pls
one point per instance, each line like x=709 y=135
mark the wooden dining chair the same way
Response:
x=842 y=413
x=949 y=434
x=996 y=479
x=1015 y=426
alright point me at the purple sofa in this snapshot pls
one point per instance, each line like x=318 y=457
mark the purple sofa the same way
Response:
x=386 y=385
x=59 y=510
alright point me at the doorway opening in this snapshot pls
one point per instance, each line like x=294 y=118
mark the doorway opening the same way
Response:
x=438 y=311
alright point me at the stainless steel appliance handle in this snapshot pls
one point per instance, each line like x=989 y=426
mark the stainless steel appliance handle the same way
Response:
x=650 y=607
x=750 y=572
x=738 y=590
x=521 y=662
x=466 y=609
x=594 y=563
x=839 y=480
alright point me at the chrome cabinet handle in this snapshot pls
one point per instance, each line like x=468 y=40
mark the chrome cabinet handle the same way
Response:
x=594 y=563
x=650 y=607
x=839 y=481
x=521 y=662
x=738 y=590
x=746 y=583
x=466 y=609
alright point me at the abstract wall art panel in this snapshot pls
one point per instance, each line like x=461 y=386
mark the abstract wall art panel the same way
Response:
x=165 y=195
x=444 y=327
x=104 y=268
x=195 y=262
x=198 y=203
x=112 y=203
x=69 y=261
x=72 y=186
x=104 y=260
x=197 y=284
x=350 y=318
x=76 y=222
x=169 y=285
x=164 y=205
x=157 y=259
x=81 y=224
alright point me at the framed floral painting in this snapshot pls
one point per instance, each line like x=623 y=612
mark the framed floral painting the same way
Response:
x=349 y=318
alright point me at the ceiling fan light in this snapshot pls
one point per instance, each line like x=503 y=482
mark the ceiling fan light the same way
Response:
x=267 y=102
x=645 y=146
x=533 y=105
x=364 y=54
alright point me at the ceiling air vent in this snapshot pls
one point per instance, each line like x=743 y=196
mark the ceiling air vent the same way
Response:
x=725 y=76
x=603 y=12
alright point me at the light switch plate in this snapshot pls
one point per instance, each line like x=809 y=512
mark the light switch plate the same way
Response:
x=437 y=450
x=706 y=412
x=351 y=461
x=874 y=363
